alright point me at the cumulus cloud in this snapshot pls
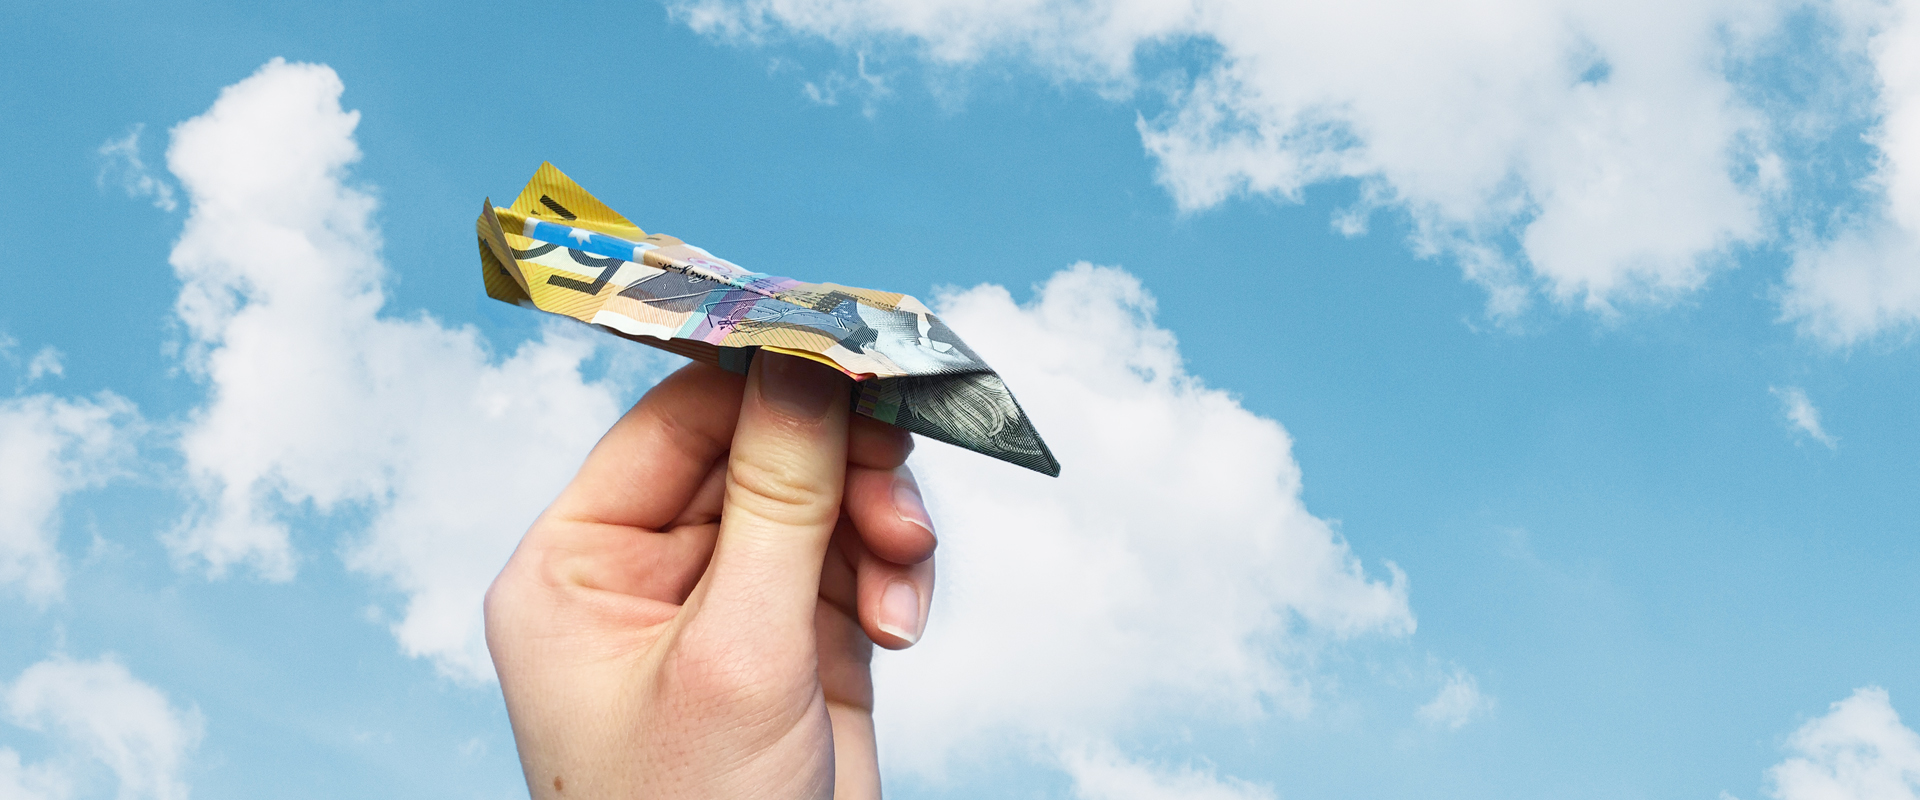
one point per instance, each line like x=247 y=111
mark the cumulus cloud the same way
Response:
x=1458 y=703
x=121 y=165
x=1802 y=415
x=320 y=400
x=1597 y=151
x=1172 y=569
x=1865 y=279
x=1102 y=774
x=103 y=714
x=50 y=447
x=1858 y=751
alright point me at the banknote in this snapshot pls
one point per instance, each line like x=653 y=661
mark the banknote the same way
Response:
x=559 y=249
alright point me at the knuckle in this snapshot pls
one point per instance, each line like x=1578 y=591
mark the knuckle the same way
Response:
x=781 y=491
x=503 y=614
x=494 y=605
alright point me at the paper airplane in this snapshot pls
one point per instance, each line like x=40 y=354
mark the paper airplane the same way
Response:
x=558 y=249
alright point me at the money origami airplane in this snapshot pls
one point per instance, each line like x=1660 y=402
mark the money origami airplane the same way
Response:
x=558 y=249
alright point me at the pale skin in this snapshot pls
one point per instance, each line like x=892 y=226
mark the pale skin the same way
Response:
x=695 y=615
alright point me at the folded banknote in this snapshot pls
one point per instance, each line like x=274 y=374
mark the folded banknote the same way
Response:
x=559 y=249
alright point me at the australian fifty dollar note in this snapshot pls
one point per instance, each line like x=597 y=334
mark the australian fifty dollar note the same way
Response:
x=558 y=249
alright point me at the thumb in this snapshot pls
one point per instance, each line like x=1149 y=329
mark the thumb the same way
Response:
x=784 y=477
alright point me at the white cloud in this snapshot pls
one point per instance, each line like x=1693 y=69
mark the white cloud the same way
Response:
x=50 y=447
x=1171 y=570
x=104 y=714
x=1802 y=415
x=1865 y=279
x=120 y=163
x=1458 y=703
x=319 y=400
x=31 y=782
x=45 y=362
x=1858 y=751
x=863 y=84
x=1102 y=774
x=48 y=360
x=1597 y=151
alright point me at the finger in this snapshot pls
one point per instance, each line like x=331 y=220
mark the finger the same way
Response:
x=886 y=507
x=704 y=507
x=838 y=588
x=661 y=565
x=665 y=566
x=844 y=666
x=611 y=558
x=785 y=474
x=644 y=470
x=872 y=443
x=892 y=599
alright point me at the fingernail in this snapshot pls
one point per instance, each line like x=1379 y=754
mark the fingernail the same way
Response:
x=900 y=611
x=797 y=387
x=907 y=502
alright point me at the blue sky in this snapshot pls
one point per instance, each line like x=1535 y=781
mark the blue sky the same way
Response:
x=1524 y=296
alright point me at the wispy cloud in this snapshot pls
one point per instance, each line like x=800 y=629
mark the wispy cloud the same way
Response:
x=121 y=165
x=1458 y=703
x=50 y=447
x=48 y=361
x=1802 y=415
x=867 y=86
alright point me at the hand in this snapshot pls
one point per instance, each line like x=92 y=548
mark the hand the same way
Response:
x=694 y=616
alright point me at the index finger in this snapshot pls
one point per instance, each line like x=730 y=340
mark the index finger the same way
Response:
x=647 y=467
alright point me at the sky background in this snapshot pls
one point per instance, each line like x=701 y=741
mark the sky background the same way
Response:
x=1491 y=399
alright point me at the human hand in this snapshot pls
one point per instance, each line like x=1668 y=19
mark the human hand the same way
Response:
x=694 y=616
